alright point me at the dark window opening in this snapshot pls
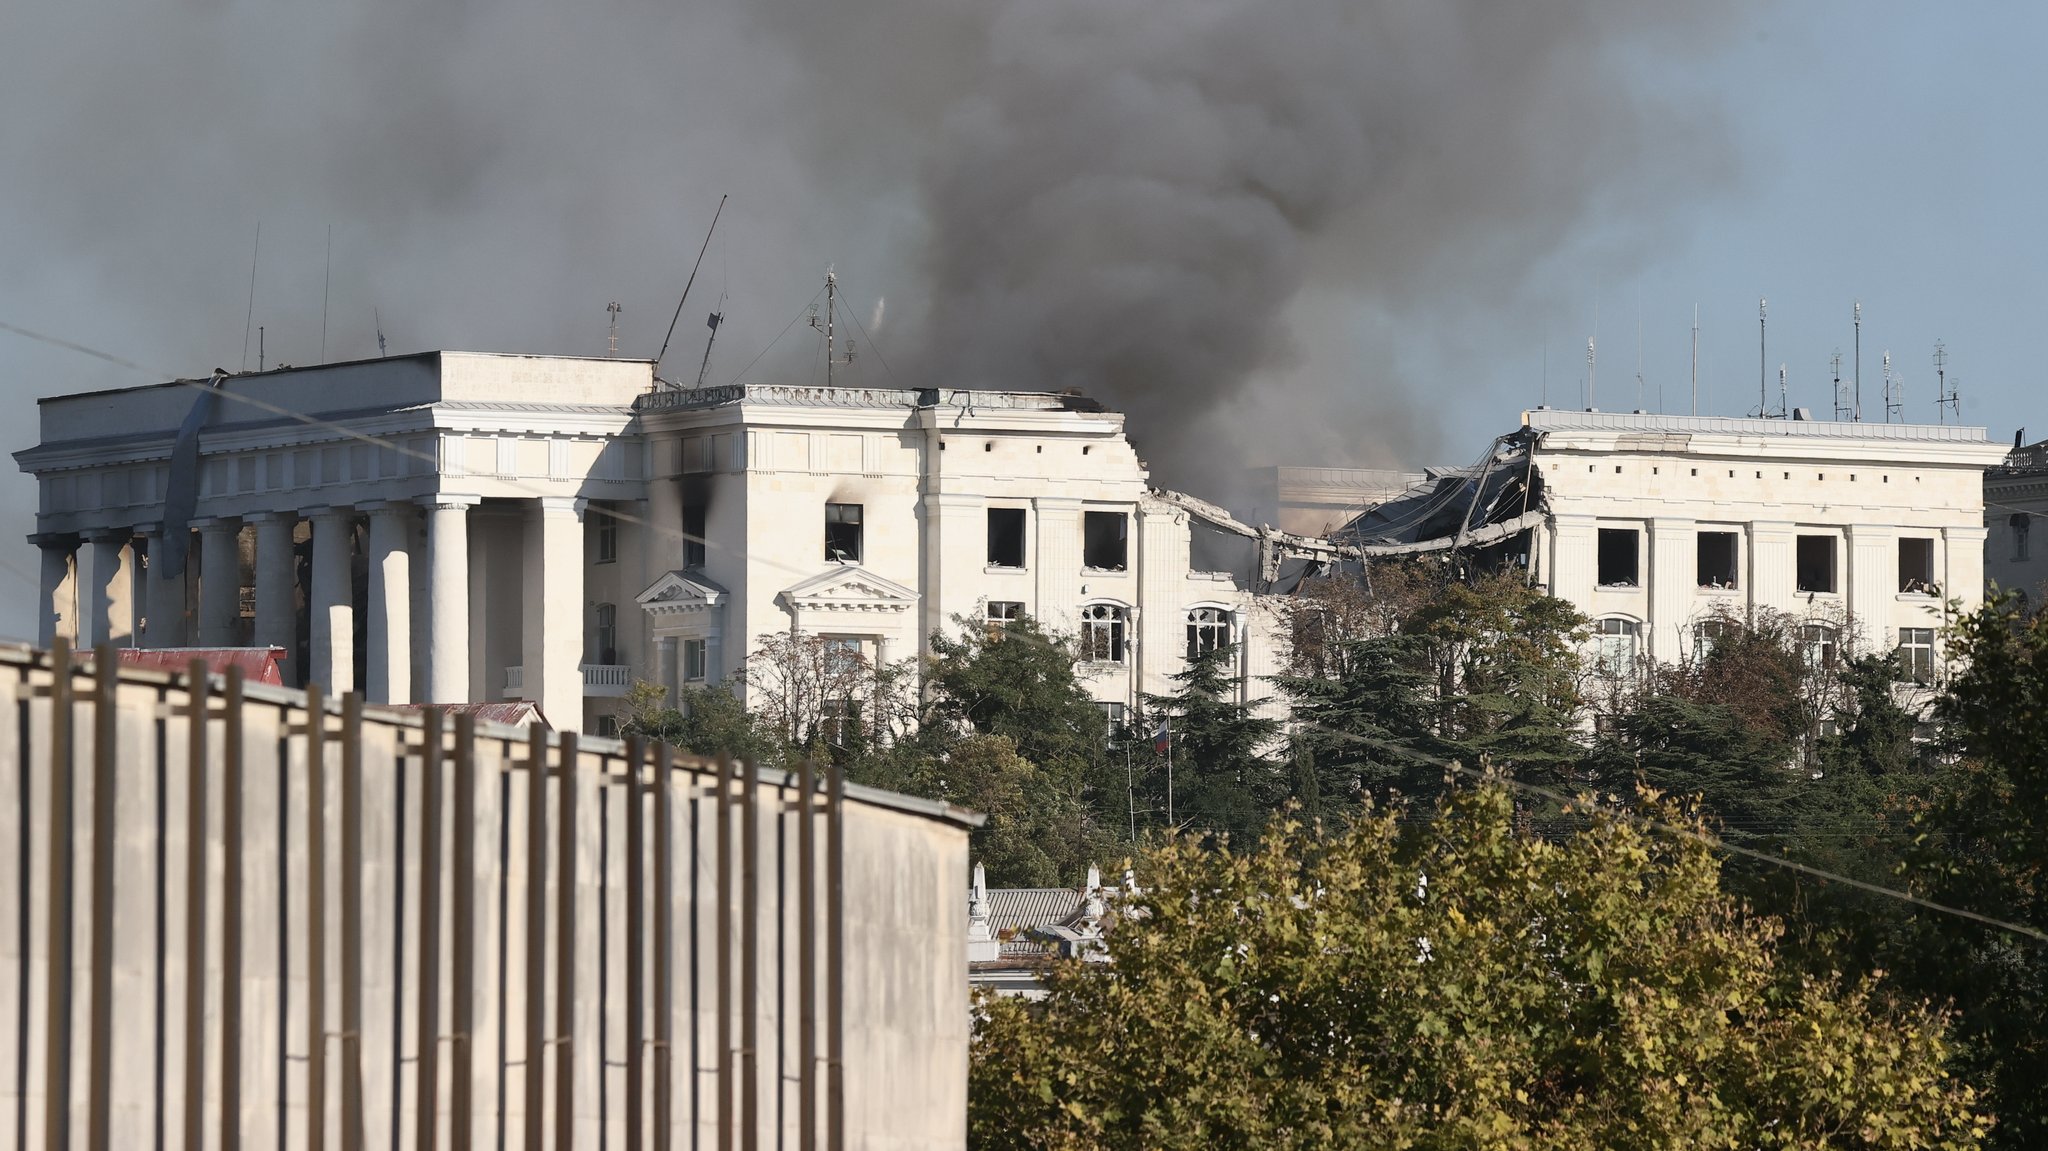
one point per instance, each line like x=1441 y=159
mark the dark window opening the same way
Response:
x=1916 y=654
x=607 y=537
x=842 y=532
x=1717 y=552
x=607 y=636
x=1815 y=563
x=1916 y=566
x=1208 y=629
x=1618 y=554
x=1113 y=720
x=696 y=517
x=2020 y=523
x=694 y=660
x=1006 y=537
x=1105 y=540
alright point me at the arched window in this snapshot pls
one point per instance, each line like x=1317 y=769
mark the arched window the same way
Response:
x=1819 y=646
x=1208 y=629
x=1102 y=633
x=1615 y=639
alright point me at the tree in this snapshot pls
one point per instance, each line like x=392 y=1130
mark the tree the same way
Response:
x=1460 y=985
x=1017 y=681
x=705 y=720
x=1366 y=727
x=1222 y=779
x=822 y=696
x=1038 y=832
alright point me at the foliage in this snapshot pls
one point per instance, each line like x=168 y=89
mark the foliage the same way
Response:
x=822 y=697
x=705 y=720
x=1368 y=729
x=1464 y=985
x=1018 y=682
x=1221 y=777
x=1038 y=832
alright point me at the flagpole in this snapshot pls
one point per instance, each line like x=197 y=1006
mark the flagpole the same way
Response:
x=1169 y=774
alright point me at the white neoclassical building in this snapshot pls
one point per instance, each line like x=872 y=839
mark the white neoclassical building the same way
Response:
x=451 y=527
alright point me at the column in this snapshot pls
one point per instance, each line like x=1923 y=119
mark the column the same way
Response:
x=448 y=607
x=277 y=593
x=220 y=581
x=1673 y=584
x=1573 y=566
x=57 y=603
x=955 y=555
x=1773 y=576
x=112 y=590
x=1057 y=562
x=164 y=598
x=1872 y=586
x=667 y=671
x=332 y=602
x=388 y=676
x=551 y=630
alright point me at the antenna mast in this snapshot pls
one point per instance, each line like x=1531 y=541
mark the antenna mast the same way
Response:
x=1695 y=359
x=1592 y=370
x=1859 y=360
x=686 y=289
x=612 y=349
x=378 y=320
x=831 y=319
x=1763 y=395
x=1639 y=361
x=1841 y=398
x=717 y=318
x=1784 y=395
x=1946 y=400
x=1894 y=389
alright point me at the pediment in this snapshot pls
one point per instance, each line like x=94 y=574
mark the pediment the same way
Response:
x=849 y=587
x=680 y=591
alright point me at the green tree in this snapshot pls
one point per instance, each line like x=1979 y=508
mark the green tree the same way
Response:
x=1366 y=727
x=1038 y=832
x=1223 y=778
x=705 y=720
x=1017 y=681
x=1460 y=985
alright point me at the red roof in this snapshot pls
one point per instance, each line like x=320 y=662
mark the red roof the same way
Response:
x=258 y=664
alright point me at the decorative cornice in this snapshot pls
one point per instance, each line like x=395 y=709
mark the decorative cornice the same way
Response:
x=849 y=588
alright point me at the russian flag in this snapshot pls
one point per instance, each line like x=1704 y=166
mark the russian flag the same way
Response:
x=1162 y=738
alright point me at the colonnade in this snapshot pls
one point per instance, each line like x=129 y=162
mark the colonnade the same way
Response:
x=92 y=598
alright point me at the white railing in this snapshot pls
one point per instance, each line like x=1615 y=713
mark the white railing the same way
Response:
x=607 y=680
x=515 y=682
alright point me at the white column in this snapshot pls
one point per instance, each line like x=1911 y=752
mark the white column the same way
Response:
x=112 y=590
x=448 y=607
x=57 y=605
x=277 y=593
x=667 y=670
x=1572 y=566
x=1057 y=562
x=164 y=596
x=332 y=603
x=1673 y=583
x=388 y=677
x=551 y=631
x=1871 y=585
x=220 y=581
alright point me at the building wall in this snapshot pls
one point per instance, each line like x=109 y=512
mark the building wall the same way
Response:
x=2016 y=531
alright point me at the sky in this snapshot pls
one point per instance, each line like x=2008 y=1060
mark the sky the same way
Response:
x=1303 y=232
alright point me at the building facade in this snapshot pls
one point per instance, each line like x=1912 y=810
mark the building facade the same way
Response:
x=1658 y=524
x=2016 y=523
x=455 y=527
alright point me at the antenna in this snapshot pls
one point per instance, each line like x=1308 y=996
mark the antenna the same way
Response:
x=1859 y=360
x=326 y=281
x=259 y=347
x=251 y=316
x=686 y=287
x=831 y=319
x=717 y=318
x=1841 y=399
x=1784 y=402
x=613 y=348
x=1592 y=369
x=1946 y=400
x=378 y=320
x=1546 y=372
x=1639 y=359
x=1763 y=402
x=1894 y=389
x=1695 y=359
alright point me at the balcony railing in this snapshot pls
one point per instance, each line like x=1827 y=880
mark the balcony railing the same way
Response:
x=515 y=682
x=600 y=680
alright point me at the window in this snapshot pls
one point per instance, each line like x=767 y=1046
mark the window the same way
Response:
x=1001 y=614
x=2020 y=523
x=608 y=727
x=1706 y=634
x=607 y=537
x=1102 y=633
x=695 y=660
x=1112 y=720
x=1815 y=563
x=1105 y=540
x=1916 y=566
x=1618 y=551
x=1006 y=537
x=607 y=634
x=1208 y=629
x=843 y=654
x=1819 y=646
x=1616 y=639
x=838 y=720
x=1916 y=654
x=1717 y=552
x=696 y=515
x=842 y=533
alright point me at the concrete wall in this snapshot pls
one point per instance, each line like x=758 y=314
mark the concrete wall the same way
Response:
x=905 y=864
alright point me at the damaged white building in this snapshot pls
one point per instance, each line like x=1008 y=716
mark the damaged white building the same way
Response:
x=454 y=527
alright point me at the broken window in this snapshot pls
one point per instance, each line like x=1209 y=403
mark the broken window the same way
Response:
x=694 y=661
x=1006 y=537
x=1814 y=562
x=842 y=533
x=607 y=528
x=1717 y=559
x=1208 y=629
x=1819 y=646
x=1916 y=654
x=696 y=515
x=1616 y=640
x=1001 y=614
x=1105 y=540
x=1619 y=549
x=1102 y=633
x=1916 y=566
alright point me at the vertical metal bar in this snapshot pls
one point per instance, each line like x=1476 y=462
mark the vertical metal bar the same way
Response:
x=664 y=892
x=835 y=961
x=462 y=965
x=231 y=916
x=100 y=1034
x=427 y=1048
x=196 y=688
x=536 y=930
x=316 y=919
x=565 y=957
x=351 y=922
x=750 y=949
x=724 y=946
x=63 y=829
x=806 y=959
x=635 y=891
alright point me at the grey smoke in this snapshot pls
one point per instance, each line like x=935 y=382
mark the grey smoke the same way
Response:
x=1217 y=215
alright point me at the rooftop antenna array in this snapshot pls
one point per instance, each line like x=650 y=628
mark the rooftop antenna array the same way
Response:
x=1947 y=402
x=1842 y=409
x=1859 y=361
x=1763 y=370
x=612 y=346
x=831 y=317
x=1894 y=390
